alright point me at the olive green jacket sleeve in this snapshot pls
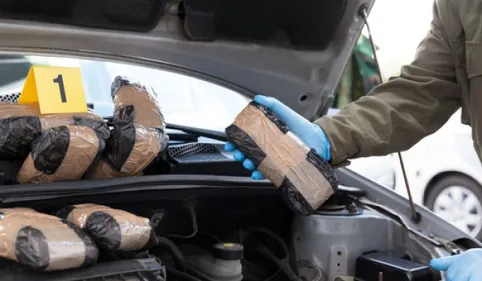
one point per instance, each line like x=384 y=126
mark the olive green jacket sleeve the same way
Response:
x=399 y=113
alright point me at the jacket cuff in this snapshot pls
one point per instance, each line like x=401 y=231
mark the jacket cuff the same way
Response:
x=339 y=155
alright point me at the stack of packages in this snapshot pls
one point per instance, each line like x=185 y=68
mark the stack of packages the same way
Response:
x=112 y=229
x=62 y=147
x=138 y=137
x=73 y=238
x=54 y=147
x=43 y=242
x=65 y=150
x=305 y=180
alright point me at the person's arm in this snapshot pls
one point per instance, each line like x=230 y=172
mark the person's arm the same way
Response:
x=399 y=113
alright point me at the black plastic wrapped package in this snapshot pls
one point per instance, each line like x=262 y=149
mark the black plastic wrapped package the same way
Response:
x=112 y=229
x=19 y=127
x=43 y=242
x=89 y=119
x=68 y=147
x=138 y=137
x=305 y=180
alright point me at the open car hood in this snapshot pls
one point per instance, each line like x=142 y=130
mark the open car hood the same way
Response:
x=293 y=50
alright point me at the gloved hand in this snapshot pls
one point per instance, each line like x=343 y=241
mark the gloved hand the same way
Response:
x=463 y=267
x=310 y=133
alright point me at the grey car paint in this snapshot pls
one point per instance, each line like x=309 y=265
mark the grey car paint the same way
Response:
x=288 y=74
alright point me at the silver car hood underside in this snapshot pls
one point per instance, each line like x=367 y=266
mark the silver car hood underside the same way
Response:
x=305 y=80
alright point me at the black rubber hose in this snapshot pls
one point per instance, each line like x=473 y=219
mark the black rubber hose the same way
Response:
x=173 y=250
x=272 y=235
x=190 y=207
x=173 y=274
x=268 y=254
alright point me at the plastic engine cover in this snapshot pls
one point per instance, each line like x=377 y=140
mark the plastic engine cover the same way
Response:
x=391 y=265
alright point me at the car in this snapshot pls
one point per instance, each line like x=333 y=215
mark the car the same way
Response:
x=214 y=222
x=444 y=173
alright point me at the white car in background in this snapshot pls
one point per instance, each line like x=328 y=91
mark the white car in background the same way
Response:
x=445 y=175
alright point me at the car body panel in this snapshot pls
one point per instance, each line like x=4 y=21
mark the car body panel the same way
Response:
x=253 y=68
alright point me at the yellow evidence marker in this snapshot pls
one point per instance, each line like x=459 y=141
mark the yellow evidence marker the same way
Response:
x=54 y=89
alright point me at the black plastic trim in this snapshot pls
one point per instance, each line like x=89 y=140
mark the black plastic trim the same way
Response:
x=150 y=267
x=31 y=192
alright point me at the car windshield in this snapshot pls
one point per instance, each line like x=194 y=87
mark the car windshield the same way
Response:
x=184 y=100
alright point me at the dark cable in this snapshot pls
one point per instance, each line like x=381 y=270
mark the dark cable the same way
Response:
x=273 y=236
x=268 y=254
x=192 y=213
x=173 y=251
x=283 y=266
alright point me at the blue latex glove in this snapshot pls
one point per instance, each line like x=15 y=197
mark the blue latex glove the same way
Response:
x=463 y=267
x=310 y=133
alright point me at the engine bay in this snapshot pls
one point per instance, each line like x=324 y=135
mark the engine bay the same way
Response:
x=215 y=235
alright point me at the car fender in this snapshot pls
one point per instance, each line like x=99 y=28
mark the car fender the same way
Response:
x=431 y=176
x=426 y=163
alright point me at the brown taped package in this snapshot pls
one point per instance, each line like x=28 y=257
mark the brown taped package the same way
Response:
x=21 y=124
x=19 y=127
x=89 y=118
x=111 y=229
x=138 y=136
x=60 y=154
x=67 y=148
x=306 y=181
x=146 y=148
x=44 y=242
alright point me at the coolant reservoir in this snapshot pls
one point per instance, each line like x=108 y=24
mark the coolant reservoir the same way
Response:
x=223 y=263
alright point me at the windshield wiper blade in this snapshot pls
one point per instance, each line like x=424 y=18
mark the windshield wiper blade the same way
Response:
x=197 y=132
x=190 y=133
